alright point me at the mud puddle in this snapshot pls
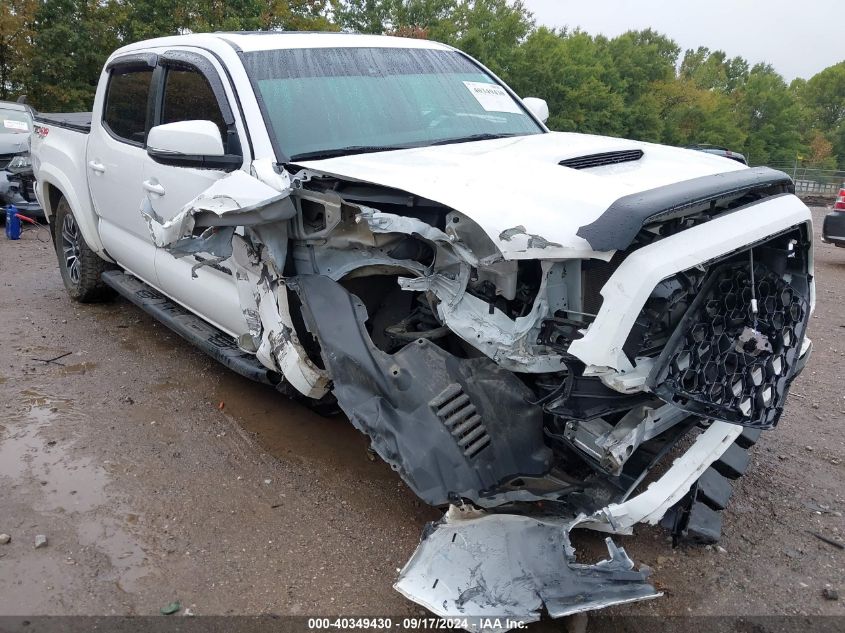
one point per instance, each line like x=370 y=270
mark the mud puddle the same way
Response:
x=288 y=431
x=38 y=455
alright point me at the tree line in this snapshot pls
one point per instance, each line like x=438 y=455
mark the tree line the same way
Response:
x=638 y=85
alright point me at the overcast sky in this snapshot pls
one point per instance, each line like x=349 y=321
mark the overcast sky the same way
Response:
x=798 y=38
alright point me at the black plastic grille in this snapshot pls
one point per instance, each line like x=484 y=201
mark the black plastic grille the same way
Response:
x=600 y=160
x=725 y=362
x=461 y=418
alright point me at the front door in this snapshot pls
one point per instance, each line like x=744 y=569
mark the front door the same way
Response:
x=187 y=96
x=114 y=163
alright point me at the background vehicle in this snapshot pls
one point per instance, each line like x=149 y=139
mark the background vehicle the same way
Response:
x=523 y=322
x=720 y=151
x=833 y=229
x=17 y=183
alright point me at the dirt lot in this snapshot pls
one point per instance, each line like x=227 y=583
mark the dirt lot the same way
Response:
x=158 y=476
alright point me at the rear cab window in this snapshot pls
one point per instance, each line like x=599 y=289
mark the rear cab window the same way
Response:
x=126 y=107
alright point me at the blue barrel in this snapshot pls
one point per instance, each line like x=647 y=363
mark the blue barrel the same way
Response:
x=13 y=223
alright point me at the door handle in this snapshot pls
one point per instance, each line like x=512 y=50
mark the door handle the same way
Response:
x=153 y=187
x=97 y=166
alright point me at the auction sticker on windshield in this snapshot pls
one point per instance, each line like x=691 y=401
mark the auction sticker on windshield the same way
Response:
x=493 y=97
x=15 y=125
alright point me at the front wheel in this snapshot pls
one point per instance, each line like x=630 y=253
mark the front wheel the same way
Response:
x=80 y=266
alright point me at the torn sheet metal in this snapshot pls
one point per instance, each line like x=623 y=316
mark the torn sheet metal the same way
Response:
x=477 y=567
x=257 y=259
x=235 y=200
x=379 y=222
x=264 y=302
x=510 y=567
x=638 y=425
x=511 y=343
x=531 y=240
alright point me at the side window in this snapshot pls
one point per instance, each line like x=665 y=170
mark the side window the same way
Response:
x=125 y=112
x=188 y=97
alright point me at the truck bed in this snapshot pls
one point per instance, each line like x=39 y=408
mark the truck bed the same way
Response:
x=77 y=121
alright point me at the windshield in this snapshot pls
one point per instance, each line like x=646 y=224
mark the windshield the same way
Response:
x=13 y=121
x=322 y=102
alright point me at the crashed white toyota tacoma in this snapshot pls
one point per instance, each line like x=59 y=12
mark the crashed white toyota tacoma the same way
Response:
x=536 y=330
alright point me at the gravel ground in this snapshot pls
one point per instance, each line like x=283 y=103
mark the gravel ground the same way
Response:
x=156 y=475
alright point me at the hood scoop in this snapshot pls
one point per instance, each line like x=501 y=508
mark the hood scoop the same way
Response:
x=600 y=160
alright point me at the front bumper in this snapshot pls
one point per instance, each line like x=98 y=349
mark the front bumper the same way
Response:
x=464 y=566
x=11 y=184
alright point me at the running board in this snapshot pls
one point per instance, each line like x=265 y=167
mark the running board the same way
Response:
x=190 y=327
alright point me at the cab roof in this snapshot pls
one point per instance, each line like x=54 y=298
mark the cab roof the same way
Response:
x=251 y=41
x=271 y=40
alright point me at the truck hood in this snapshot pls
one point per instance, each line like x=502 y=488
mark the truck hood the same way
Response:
x=516 y=190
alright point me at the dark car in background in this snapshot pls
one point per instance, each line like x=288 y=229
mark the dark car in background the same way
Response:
x=719 y=151
x=833 y=229
x=17 y=183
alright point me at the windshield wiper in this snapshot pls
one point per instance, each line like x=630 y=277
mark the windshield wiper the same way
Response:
x=474 y=137
x=344 y=151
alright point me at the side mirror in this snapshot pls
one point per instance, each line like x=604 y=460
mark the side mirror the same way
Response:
x=196 y=144
x=539 y=108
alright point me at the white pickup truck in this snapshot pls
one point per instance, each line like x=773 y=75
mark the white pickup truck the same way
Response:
x=526 y=324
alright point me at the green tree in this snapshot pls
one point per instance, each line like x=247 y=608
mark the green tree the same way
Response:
x=825 y=95
x=298 y=15
x=713 y=70
x=575 y=75
x=364 y=16
x=642 y=59
x=135 y=20
x=17 y=28
x=489 y=30
x=693 y=115
x=71 y=42
x=771 y=116
x=824 y=99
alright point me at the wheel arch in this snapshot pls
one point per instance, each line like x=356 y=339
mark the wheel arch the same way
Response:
x=55 y=186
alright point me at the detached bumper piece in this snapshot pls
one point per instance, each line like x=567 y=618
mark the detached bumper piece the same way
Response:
x=727 y=363
x=697 y=518
x=510 y=567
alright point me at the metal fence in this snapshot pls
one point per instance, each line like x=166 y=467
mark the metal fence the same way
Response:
x=810 y=181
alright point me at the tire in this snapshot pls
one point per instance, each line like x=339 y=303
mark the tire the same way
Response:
x=326 y=406
x=80 y=266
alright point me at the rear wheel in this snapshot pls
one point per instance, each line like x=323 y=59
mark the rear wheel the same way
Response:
x=80 y=266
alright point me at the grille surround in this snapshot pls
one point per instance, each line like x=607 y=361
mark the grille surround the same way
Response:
x=708 y=368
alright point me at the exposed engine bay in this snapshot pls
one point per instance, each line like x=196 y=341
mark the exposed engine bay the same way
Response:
x=529 y=395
